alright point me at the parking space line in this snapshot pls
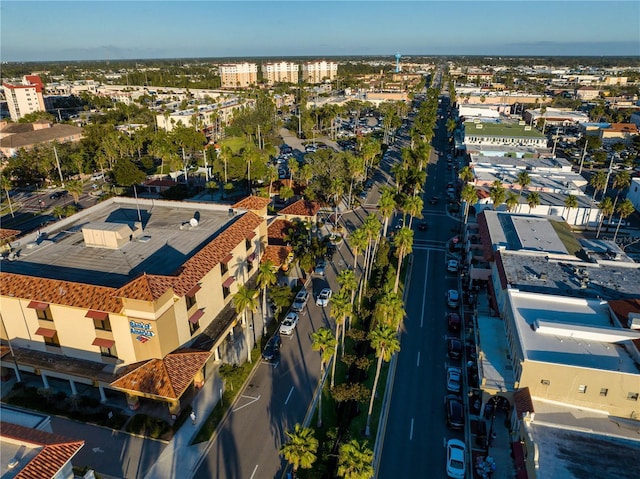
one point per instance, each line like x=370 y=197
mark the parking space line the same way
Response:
x=424 y=288
x=254 y=471
x=418 y=362
x=289 y=396
x=411 y=432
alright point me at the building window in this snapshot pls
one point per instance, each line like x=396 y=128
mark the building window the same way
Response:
x=108 y=352
x=582 y=389
x=604 y=392
x=193 y=327
x=545 y=382
x=102 y=324
x=44 y=314
x=191 y=301
x=54 y=341
x=247 y=244
x=223 y=268
x=225 y=291
x=632 y=396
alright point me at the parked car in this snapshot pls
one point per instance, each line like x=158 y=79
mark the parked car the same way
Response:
x=454 y=348
x=454 y=376
x=300 y=300
x=331 y=250
x=289 y=323
x=453 y=297
x=320 y=268
x=97 y=177
x=453 y=322
x=58 y=194
x=455 y=411
x=324 y=297
x=423 y=226
x=456 y=468
x=452 y=266
x=271 y=351
x=434 y=200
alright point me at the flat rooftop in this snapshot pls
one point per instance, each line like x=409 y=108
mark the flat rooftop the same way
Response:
x=591 y=341
x=167 y=240
x=516 y=232
x=501 y=129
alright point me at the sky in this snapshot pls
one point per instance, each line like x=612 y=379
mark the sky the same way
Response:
x=110 y=30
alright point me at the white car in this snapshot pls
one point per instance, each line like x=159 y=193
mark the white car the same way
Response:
x=452 y=298
x=452 y=266
x=324 y=297
x=289 y=323
x=456 y=459
x=300 y=300
x=454 y=377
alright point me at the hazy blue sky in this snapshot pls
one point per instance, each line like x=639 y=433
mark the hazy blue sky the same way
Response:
x=80 y=30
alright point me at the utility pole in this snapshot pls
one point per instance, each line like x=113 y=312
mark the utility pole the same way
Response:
x=55 y=152
x=584 y=152
x=604 y=192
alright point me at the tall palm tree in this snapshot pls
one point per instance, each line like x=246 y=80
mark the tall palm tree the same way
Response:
x=523 y=180
x=598 y=181
x=403 y=241
x=389 y=310
x=386 y=343
x=75 y=188
x=533 y=200
x=349 y=283
x=412 y=206
x=570 y=202
x=372 y=227
x=358 y=241
x=266 y=278
x=301 y=448
x=606 y=209
x=497 y=194
x=621 y=180
x=5 y=183
x=624 y=209
x=386 y=206
x=470 y=197
x=341 y=309
x=246 y=299
x=355 y=460
x=466 y=174
x=512 y=201
x=324 y=341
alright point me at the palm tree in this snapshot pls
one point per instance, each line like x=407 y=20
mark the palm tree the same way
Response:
x=341 y=309
x=372 y=227
x=385 y=341
x=497 y=194
x=324 y=341
x=75 y=188
x=412 y=206
x=470 y=196
x=598 y=181
x=533 y=200
x=266 y=278
x=606 y=209
x=570 y=202
x=386 y=206
x=301 y=448
x=624 y=209
x=244 y=299
x=5 y=183
x=512 y=201
x=523 y=180
x=355 y=460
x=389 y=310
x=403 y=241
x=466 y=174
x=59 y=211
x=349 y=283
x=621 y=180
x=358 y=241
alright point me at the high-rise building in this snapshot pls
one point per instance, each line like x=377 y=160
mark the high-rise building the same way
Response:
x=281 y=72
x=317 y=72
x=24 y=98
x=238 y=74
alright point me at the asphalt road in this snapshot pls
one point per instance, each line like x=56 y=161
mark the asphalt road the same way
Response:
x=415 y=430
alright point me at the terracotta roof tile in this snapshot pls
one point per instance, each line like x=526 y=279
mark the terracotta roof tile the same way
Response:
x=55 y=453
x=79 y=295
x=623 y=128
x=252 y=203
x=6 y=233
x=160 y=183
x=168 y=377
x=277 y=231
x=301 y=208
x=277 y=254
x=147 y=287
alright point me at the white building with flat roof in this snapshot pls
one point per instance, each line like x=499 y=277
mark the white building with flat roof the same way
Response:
x=318 y=72
x=280 y=72
x=238 y=74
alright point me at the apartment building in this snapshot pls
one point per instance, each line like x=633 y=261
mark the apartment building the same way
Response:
x=24 y=98
x=497 y=132
x=281 y=72
x=235 y=75
x=318 y=72
x=133 y=297
x=16 y=136
x=203 y=117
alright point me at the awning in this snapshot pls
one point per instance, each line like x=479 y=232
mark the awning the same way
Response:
x=194 y=290
x=47 y=333
x=100 y=315
x=227 y=258
x=195 y=317
x=103 y=343
x=251 y=257
x=228 y=282
x=38 y=305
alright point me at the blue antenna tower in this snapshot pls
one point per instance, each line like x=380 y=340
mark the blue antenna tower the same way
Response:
x=398 y=56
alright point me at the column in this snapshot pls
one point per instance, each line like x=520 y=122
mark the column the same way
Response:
x=74 y=391
x=45 y=382
x=216 y=354
x=174 y=407
x=103 y=396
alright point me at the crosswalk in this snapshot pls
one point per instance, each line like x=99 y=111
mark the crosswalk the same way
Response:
x=423 y=244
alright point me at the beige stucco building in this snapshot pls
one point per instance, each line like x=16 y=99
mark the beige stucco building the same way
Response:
x=24 y=98
x=319 y=71
x=238 y=74
x=280 y=72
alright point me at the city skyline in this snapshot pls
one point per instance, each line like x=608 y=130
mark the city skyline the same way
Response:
x=115 y=30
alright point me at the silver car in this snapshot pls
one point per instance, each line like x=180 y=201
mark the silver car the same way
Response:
x=300 y=300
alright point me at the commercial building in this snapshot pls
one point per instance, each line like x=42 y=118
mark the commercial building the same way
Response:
x=24 y=98
x=234 y=75
x=131 y=296
x=16 y=136
x=319 y=71
x=633 y=194
x=204 y=117
x=497 y=132
x=281 y=72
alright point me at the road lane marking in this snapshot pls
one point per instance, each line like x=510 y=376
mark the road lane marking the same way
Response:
x=418 y=363
x=289 y=396
x=424 y=288
x=411 y=432
x=253 y=399
x=254 y=471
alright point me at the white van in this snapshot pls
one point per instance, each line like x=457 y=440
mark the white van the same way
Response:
x=97 y=177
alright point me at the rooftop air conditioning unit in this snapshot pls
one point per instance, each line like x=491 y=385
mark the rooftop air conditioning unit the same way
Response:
x=521 y=123
x=527 y=128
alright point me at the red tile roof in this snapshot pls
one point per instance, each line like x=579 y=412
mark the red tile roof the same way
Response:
x=6 y=233
x=623 y=128
x=55 y=453
x=168 y=183
x=277 y=254
x=252 y=203
x=166 y=378
x=301 y=208
x=147 y=287
x=55 y=291
x=278 y=230
x=522 y=402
